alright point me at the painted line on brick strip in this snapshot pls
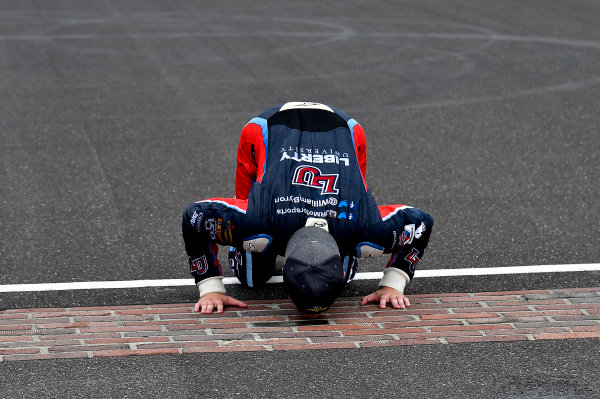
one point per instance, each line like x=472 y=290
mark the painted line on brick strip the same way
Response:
x=474 y=271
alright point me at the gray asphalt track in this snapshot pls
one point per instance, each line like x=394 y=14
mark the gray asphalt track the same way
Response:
x=488 y=370
x=115 y=115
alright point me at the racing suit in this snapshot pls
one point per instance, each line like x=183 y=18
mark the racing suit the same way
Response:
x=301 y=164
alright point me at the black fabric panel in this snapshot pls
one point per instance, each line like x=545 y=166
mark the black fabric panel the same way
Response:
x=308 y=120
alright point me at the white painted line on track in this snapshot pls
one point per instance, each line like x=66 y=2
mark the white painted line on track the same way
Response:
x=475 y=271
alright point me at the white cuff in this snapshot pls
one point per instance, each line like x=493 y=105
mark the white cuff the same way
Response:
x=394 y=278
x=210 y=285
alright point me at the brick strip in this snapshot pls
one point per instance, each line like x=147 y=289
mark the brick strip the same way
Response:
x=28 y=334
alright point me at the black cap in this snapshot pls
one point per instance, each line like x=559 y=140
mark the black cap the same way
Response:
x=313 y=275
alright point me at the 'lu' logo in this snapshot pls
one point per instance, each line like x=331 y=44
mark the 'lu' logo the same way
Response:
x=312 y=177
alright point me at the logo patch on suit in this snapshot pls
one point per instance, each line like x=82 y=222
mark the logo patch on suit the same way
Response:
x=413 y=259
x=346 y=210
x=420 y=230
x=199 y=265
x=196 y=221
x=311 y=176
x=408 y=234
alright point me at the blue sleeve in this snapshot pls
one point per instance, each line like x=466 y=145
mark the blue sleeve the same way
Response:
x=409 y=229
x=206 y=225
